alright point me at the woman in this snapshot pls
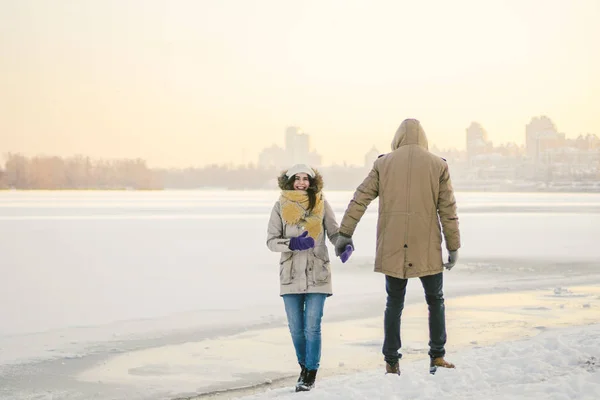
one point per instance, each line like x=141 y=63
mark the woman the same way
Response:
x=299 y=222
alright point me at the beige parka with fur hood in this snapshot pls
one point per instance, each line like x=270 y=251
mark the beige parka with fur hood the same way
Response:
x=305 y=271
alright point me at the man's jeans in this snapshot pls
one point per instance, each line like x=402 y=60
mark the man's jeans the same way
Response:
x=396 y=290
x=304 y=313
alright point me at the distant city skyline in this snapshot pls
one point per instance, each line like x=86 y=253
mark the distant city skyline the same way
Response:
x=297 y=146
x=539 y=135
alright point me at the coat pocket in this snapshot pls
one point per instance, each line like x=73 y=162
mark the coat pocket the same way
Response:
x=286 y=270
x=321 y=271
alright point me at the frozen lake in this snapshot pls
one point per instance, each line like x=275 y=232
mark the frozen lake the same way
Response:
x=73 y=259
x=98 y=272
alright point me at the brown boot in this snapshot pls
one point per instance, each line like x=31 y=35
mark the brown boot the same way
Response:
x=392 y=368
x=439 y=362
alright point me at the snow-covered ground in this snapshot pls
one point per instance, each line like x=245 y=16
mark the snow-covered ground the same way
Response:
x=559 y=364
x=251 y=358
x=111 y=295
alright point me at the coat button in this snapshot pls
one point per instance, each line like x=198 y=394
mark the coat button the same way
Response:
x=410 y=264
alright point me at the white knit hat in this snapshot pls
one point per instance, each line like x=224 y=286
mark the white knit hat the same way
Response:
x=300 y=169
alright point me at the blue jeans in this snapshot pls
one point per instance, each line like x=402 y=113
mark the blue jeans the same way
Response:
x=434 y=295
x=304 y=313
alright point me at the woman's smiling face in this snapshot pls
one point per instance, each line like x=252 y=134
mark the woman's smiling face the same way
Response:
x=301 y=182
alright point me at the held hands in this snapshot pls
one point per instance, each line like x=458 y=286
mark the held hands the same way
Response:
x=302 y=242
x=452 y=259
x=347 y=253
x=344 y=247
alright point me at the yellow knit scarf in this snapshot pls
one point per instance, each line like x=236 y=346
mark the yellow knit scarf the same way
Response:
x=294 y=204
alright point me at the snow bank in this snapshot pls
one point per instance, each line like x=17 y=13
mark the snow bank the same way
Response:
x=557 y=364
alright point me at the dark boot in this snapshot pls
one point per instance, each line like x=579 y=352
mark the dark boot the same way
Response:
x=392 y=368
x=309 y=381
x=301 y=377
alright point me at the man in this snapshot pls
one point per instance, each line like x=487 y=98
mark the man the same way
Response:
x=415 y=194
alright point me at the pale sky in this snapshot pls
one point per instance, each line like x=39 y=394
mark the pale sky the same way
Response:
x=193 y=82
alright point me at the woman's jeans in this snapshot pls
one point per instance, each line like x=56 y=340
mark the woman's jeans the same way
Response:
x=304 y=313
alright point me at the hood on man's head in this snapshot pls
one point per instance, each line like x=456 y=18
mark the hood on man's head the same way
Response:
x=285 y=180
x=410 y=132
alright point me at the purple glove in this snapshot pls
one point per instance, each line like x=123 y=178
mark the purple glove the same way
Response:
x=347 y=253
x=302 y=242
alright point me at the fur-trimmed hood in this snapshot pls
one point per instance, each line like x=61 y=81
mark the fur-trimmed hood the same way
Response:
x=286 y=184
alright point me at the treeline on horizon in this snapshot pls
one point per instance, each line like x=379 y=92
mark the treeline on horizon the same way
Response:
x=83 y=173
x=78 y=172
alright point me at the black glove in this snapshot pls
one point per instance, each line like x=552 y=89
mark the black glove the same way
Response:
x=340 y=244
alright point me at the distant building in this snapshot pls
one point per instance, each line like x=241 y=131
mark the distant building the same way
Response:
x=587 y=142
x=314 y=159
x=296 y=150
x=477 y=141
x=541 y=135
x=297 y=145
x=272 y=157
